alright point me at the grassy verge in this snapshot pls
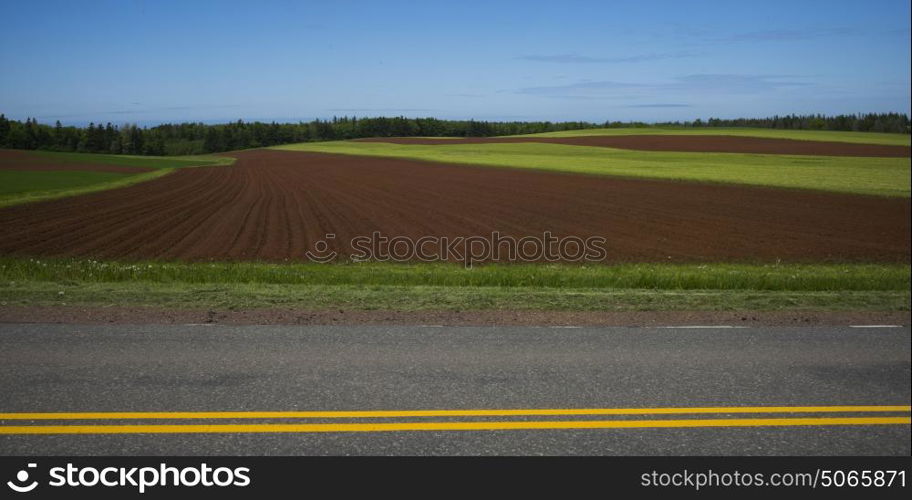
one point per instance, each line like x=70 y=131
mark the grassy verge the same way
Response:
x=883 y=287
x=874 y=176
x=800 y=135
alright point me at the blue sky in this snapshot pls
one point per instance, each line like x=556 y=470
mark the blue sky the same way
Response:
x=150 y=61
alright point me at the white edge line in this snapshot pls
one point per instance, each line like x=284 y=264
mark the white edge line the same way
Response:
x=875 y=326
x=700 y=326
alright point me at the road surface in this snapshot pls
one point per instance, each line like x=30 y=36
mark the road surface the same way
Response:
x=723 y=390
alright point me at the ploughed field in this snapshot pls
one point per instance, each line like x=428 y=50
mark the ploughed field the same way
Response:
x=684 y=143
x=276 y=205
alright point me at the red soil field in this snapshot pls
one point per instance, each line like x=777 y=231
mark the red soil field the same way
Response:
x=686 y=143
x=23 y=160
x=274 y=206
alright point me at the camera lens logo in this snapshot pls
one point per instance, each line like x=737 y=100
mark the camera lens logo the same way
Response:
x=322 y=253
x=21 y=477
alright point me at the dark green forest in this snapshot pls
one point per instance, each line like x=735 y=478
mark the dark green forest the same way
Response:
x=199 y=138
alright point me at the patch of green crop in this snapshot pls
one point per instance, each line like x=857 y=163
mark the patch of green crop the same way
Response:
x=35 y=192
x=16 y=182
x=26 y=186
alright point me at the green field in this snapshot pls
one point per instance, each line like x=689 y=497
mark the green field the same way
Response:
x=801 y=135
x=241 y=285
x=25 y=186
x=23 y=181
x=873 y=176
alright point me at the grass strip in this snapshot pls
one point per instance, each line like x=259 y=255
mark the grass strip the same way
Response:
x=440 y=286
x=721 y=276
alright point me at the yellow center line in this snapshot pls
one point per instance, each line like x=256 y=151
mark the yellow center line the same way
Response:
x=445 y=426
x=448 y=413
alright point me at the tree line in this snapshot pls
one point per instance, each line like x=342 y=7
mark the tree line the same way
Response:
x=200 y=138
x=868 y=122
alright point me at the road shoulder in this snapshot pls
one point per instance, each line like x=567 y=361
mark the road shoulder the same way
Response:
x=291 y=316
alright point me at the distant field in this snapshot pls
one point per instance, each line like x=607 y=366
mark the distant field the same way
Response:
x=805 y=135
x=28 y=176
x=874 y=176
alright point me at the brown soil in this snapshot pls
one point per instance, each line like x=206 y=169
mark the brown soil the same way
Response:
x=24 y=160
x=274 y=205
x=687 y=143
x=141 y=315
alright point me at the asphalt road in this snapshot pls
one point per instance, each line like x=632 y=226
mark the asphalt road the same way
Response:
x=149 y=368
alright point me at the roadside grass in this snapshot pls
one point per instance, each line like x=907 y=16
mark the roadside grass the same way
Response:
x=800 y=135
x=367 y=286
x=871 y=176
x=722 y=276
x=26 y=186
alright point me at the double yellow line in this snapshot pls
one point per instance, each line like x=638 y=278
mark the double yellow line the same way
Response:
x=484 y=425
